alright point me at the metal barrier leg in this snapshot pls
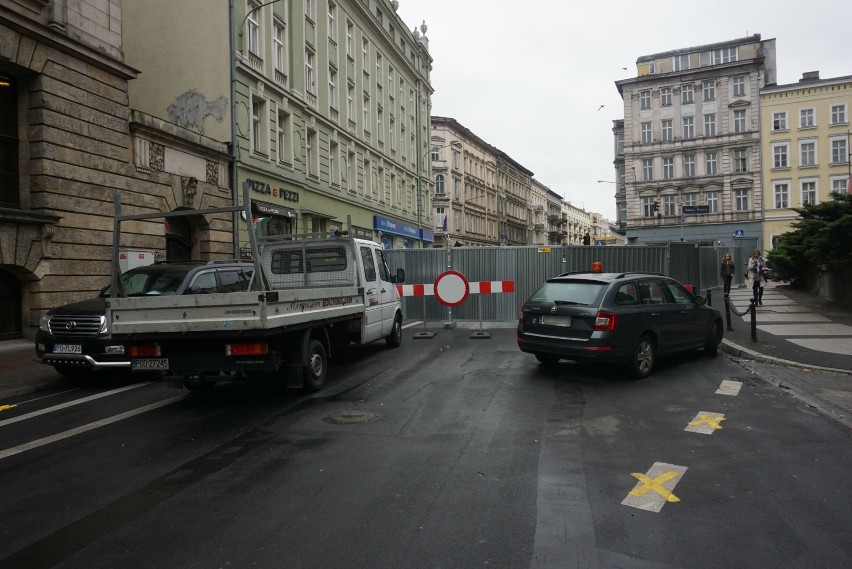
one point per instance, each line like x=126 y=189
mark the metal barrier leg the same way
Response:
x=424 y=334
x=480 y=334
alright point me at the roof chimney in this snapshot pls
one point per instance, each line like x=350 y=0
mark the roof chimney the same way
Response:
x=809 y=76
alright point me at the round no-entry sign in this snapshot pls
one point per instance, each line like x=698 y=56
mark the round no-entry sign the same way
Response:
x=451 y=288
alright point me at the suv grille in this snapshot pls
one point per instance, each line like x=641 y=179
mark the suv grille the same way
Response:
x=75 y=326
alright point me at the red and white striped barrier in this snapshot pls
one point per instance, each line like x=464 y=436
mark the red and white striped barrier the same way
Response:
x=451 y=288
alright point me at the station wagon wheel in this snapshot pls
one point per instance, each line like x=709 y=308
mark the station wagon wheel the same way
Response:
x=644 y=355
x=547 y=359
x=394 y=339
x=316 y=371
x=711 y=349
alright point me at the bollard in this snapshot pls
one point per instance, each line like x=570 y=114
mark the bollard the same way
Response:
x=709 y=297
x=728 y=313
x=753 y=309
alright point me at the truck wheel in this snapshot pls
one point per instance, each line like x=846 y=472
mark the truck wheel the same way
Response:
x=394 y=339
x=73 y=372
x=316 y=371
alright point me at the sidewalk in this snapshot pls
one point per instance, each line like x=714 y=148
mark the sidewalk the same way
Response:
x=806 y=338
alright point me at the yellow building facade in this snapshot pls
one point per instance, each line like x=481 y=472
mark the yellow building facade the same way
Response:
x=805 y=147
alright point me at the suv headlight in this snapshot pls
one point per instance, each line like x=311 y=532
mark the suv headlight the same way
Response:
x=43 y=323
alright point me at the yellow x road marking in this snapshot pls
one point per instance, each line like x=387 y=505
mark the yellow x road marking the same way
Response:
x=655 y=484
x=712 y=422
x=4 y=407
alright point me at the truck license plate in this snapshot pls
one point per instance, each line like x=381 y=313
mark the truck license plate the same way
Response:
x=150 y=363
x=68 y=349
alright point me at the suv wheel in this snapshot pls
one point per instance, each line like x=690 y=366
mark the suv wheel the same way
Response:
x=644 y=355
x=711 y=349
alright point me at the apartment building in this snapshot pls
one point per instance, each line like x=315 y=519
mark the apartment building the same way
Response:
x=805 y=145
x=691 y=165
x=324 y=105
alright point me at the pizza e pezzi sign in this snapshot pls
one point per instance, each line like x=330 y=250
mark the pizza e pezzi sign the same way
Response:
x=260 y=187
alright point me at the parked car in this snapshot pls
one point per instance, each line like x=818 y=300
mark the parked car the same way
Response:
x=624 y=318
x=75 y=338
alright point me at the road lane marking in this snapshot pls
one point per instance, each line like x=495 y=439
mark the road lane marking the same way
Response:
x=72 y=403
x=655 y=488
x=705 y=423
x=90 y=427
x=729 y=387
x=410 y=324
x=4 y=407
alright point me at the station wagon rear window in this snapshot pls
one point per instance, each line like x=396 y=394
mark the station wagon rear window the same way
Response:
x=569 y=292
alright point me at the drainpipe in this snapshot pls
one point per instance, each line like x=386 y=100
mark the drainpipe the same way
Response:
x=234 y=150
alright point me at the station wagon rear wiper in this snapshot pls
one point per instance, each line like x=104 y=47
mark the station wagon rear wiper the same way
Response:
x=571 y=302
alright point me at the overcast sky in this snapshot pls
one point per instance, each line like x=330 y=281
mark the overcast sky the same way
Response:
x=528 y=77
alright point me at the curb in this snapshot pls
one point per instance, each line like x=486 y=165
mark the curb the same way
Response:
x=741 y=352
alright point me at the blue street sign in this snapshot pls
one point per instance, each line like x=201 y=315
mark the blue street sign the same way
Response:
x=739 y=233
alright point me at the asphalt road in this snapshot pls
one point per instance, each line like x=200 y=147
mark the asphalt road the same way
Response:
x=445 y=453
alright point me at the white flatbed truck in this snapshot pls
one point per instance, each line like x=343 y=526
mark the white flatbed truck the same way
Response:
x=309 y=294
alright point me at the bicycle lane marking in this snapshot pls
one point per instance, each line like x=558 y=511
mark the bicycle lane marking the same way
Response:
x=89 y=427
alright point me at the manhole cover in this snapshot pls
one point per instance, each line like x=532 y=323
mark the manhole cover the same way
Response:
x=352 y=416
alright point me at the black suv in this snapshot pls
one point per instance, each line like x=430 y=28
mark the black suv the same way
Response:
x=628 y=318
x=75 y=338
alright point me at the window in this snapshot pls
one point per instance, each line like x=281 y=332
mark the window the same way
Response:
x=838 y=185
x=807 y=153
x=279 y=47
x=647 y=169
x=332 y=15
x=709 y=88
x=439 y=184
x=668 y=168
x=687 y=94
x=681 y=62
x=333 y=169
x=350 y=39
x=351 y=167
x=710 y=161
x=809 y=192
x=782 y=195
x=838 y=114
x=380 y=123
x=350 y=102
x=724 y=55
x=369 y=263
x=739 y=86
x=310 y=9
x=710 y=125
x=666 y=129
x=365 y=54
x=666 y=96
x=690 y=199
x=839 y=150
x=779 y=155
x=689 y=165
x=309 y=71
x=645 y=99
x=9 y=191
x=253 y=25
x=258 y=125
x=366 y=111
x=332 y=87
x=646 y=132
x=712 y=202
x=392 y=133
x=368 y=178
x=390 y=82
x=740 y=160
x=740 y=121
x=669 y=206
x=402 y=141
x=285 y=138
x=741 y=200
x=311 y=153
x=688 y=127
x=619 y=143
x=436 y=154
x=379 y=65
x=806 y=118
x=779 y=121
x=648 y=206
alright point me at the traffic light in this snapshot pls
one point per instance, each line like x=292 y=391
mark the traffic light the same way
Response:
x=656 y=206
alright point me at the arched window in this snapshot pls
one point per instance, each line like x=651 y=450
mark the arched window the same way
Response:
x=178 y=239
x=439 y=184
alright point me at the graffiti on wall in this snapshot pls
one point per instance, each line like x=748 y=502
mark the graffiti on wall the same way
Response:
x=190 y=109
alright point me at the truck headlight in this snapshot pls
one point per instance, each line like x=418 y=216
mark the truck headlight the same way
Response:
x=104 y=326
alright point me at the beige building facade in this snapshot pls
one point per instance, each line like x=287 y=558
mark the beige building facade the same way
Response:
x=805 y=147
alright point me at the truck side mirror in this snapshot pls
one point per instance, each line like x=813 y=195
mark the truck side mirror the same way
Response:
x=400 y=276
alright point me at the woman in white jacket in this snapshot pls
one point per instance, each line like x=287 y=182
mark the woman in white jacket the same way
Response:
x=756 y=276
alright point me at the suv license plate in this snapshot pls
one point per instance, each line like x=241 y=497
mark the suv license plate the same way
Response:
x=150 y=363
x=68 y=349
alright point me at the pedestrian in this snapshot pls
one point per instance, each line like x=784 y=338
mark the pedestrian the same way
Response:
x=756 y=276
x=727 y=273
x=587 y=239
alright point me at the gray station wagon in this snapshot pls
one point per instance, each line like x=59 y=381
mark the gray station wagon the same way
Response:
x=624 y=318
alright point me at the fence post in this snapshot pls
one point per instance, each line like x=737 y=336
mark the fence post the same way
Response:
x=753 y=309
x=480 y=334
x=728 y=313
x=424 y=334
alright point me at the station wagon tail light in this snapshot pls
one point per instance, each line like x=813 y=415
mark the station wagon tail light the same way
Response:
x=605 y=321
x=255 y=349
x=144 y=351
